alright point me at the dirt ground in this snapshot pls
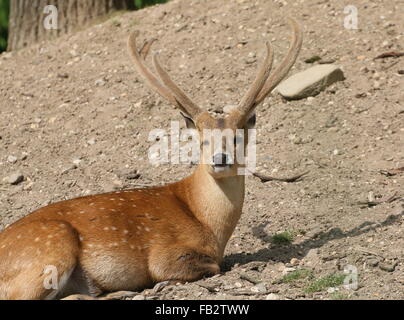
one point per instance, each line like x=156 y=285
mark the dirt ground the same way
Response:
x=76 y=117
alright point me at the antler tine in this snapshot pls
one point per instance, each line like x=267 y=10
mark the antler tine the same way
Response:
x=144 y=51
x=173 y=94
x=249 y=98
x=151 y=80
x=192 y=109
x=282 y=70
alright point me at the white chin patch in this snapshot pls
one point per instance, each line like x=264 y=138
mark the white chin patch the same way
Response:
x=220 y=169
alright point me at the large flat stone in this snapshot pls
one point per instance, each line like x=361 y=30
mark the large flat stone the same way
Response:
x=310 y=82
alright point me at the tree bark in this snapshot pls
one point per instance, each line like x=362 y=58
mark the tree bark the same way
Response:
x=26 y=22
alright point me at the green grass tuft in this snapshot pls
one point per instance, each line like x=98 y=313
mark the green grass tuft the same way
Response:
x=332 y=280
x=296 y=275
x=285 y=237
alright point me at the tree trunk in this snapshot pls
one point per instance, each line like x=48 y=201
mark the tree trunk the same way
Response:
x=27 y=17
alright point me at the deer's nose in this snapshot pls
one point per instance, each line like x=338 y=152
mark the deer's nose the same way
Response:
x=220 y=159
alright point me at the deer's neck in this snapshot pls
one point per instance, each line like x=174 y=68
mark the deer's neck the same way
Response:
x=216 y=203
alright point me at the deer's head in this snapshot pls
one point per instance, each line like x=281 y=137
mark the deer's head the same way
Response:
x=220 y=136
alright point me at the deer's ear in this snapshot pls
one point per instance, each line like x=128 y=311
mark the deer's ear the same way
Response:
x=188 y=121
x=251 y=121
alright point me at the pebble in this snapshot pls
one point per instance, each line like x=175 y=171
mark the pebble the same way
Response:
x=273 y=296
x=389 y=267
x=76 y=161
x=139 y=297
x=259 y=288
x=373 y=262
x=69 y=168
x=332 y=290
x=100 y=82
x=15 y=178
x=287 y=270
x=12 y=159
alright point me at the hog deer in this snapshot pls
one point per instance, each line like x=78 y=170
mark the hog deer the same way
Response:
x=133 y=239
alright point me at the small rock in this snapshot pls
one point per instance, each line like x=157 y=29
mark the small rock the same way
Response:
x=12 y=159
x=310 y=82
x=389 y=267
x=69 y=168
x=76 y=161
x=273 y=296
x=332 y=290
x=228 y=287
x=15 y=178
x=373 y=262
x=287 y=270
x=259 y=288
x=252 y=55
x=294 y=261
x=139 y=297
x=99 y=82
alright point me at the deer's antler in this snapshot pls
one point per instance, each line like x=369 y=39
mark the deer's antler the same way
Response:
x=168 y=90
x=265 y=82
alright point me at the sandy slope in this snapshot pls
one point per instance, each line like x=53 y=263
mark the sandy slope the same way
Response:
x=54 y=109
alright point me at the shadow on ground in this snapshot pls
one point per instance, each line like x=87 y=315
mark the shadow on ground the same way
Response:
x=284 y=253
